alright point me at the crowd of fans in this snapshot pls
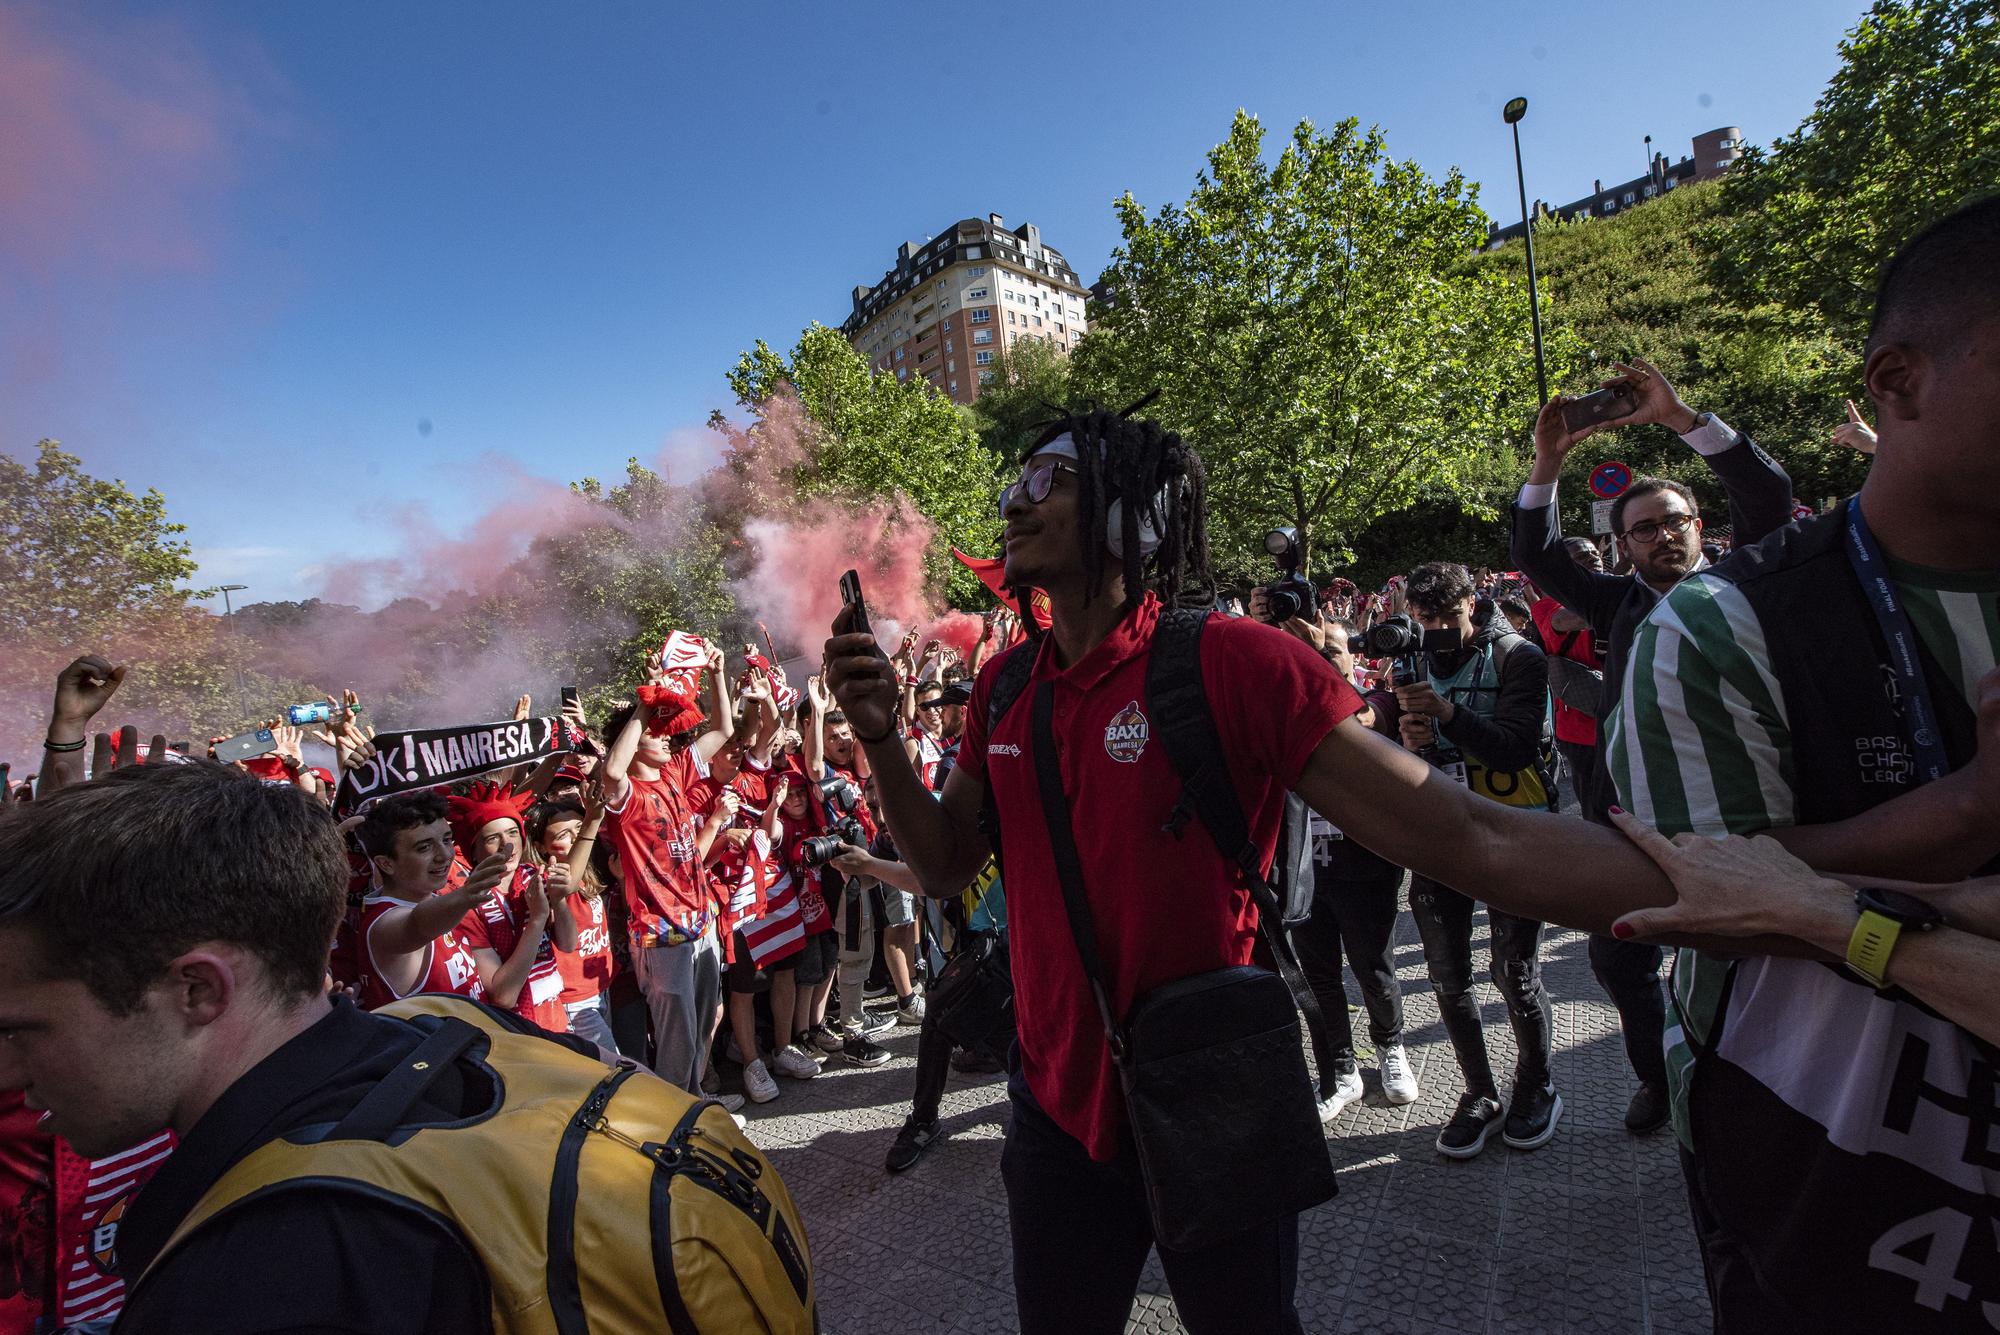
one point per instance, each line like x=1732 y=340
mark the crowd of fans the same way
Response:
x=710 y=883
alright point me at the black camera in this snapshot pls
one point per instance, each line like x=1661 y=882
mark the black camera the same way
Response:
x=1397 y=637
x=841 y=796
x=824 y=848
x=1293 y=594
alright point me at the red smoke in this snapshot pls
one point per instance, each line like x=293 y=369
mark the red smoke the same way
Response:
x=794 y=585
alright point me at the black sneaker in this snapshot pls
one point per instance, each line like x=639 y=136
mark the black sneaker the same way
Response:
x=911 y=1142
x=856 y=1050
x=1648 y=1110
x=1466 y=1134
x=1532 y=1115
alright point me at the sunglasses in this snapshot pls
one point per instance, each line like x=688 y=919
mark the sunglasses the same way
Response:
x=1036 y=486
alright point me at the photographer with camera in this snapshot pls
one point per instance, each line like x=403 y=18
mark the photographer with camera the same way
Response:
x=1471 y=697
x=1658 y=528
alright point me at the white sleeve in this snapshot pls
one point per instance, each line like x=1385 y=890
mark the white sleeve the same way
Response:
x=1534 y=495
x=1711 y=435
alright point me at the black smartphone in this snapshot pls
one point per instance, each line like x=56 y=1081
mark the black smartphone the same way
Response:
x=569 y=697
x=850 y=593
x=1605 y=405
x=246 y=745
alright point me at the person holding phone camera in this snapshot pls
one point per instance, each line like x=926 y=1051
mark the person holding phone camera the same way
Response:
x=1479 y=714
x=1657 y=525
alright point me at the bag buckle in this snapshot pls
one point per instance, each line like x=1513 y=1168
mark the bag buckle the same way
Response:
x=1182 y=813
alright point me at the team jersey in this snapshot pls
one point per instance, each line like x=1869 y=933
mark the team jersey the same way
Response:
x=667 y=890
x=1873 y=1111
x=587 y=970
x=931 y=751
x=447 y=964
x=497 y=926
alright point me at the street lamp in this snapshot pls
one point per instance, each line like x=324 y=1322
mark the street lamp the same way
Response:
x=230 y=616
x=1512 y=113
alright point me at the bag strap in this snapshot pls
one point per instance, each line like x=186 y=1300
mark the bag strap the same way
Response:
x=383 y=1108
x=1069 y=866
x=1010 y=678
x=1179 y=705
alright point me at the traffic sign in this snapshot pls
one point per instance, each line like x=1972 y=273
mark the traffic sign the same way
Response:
x=1610 y=479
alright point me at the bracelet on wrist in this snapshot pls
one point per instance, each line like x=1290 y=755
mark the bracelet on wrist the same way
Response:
x=875 y=741
x=63 y=747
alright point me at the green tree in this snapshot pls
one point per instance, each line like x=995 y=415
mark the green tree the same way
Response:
x=828 y=427
x=1638 y=285
x=1310 y=326
x=77 y=552
x=87 y=566
x=1907 y=129
x=1031 y=383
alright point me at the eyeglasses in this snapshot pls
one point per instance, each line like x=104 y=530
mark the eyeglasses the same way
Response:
x=1036 y=485
x=1649 y=530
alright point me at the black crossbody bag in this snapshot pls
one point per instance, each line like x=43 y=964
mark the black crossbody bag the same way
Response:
x=1212 y=1066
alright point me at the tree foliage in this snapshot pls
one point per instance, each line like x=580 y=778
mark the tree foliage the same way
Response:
x=1638 y=284
x=1907 y=129
x=859 y=436
x=1032 y=383
x=1310 y=325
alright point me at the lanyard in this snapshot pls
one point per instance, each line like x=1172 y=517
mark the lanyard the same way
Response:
x=1913 y=693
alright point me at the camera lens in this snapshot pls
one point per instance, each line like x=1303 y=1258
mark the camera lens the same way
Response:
x=1285 y=603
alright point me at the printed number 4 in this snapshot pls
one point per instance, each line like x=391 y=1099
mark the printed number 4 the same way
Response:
x=1935 y=1275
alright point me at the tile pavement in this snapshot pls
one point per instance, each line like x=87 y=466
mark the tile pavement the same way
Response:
x=1589 y=1234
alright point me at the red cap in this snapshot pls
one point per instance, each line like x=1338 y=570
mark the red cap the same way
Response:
x=672 y=711
x=480 y=806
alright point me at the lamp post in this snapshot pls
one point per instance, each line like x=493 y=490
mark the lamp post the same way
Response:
x=1512 y=113
x=229 y=616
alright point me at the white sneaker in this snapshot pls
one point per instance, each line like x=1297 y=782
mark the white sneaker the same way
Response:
x=731 y=1104
x=911 y=1011
x=791 y=1060
x=1346 y=1089
x=1398 y=1084
x=758 y=1084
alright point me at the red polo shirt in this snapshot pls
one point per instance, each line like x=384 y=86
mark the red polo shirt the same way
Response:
x=1164 y=908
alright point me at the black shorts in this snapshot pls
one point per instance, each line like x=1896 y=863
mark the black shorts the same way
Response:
x=815 y=961
x=743 y=977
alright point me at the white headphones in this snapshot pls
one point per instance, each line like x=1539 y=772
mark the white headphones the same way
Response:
x=1114 y=514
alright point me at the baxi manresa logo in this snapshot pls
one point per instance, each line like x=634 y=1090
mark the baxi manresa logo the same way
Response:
x=1126 y=735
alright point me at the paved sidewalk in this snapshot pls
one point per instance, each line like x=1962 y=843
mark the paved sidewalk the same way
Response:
x=1588 y=1234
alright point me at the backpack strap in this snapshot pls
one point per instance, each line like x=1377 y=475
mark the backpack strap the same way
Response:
x=1178 y=703
x=384 y=1107
x=1010 y=679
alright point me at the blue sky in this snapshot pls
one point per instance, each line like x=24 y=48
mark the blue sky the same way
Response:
x=334 y=277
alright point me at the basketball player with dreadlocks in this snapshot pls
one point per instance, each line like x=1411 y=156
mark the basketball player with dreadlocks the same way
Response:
x=1107 y=519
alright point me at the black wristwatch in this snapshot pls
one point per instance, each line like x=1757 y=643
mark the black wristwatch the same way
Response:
x=1885 y=916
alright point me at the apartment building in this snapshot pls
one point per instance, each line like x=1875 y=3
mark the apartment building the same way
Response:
x=952 y=305
x=1714 y=153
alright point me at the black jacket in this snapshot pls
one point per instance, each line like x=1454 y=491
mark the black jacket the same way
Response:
x=1614 y=606
x=1511 y=738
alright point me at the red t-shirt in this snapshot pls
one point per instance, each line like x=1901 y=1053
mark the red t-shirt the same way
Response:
x=1164 y=908
x=654 y=834
x=448 y=964
x=587 y=970
x=497 y=926
x=1572 y=724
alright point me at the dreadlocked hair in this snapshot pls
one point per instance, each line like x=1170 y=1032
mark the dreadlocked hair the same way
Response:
x=1162 y=482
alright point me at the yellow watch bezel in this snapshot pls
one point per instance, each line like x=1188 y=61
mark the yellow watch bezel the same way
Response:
x=1870 y=945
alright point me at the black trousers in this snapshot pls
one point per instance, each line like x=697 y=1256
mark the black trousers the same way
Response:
x=1444 y=921
x=1081 y=1234
x=1629 y=972
x=1355 y=918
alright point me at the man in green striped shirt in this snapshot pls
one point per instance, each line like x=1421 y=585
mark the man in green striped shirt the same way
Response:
x=1841 y=1135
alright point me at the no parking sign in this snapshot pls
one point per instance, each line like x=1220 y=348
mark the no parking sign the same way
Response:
x=1610 y=479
